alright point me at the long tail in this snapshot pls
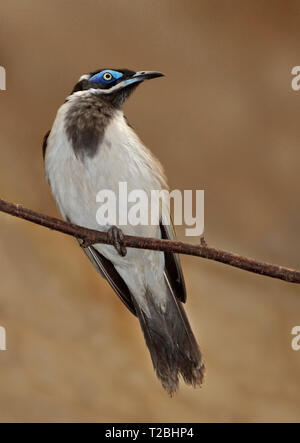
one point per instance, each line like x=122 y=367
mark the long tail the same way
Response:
x=171 y=342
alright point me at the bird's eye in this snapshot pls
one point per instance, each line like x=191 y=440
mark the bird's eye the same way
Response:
x=107 y=76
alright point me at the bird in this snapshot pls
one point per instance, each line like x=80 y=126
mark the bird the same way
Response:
x=90 y=147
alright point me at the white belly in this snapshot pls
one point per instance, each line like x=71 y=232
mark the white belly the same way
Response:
x=75 y=183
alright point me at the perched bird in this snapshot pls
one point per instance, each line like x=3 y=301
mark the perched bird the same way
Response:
x=91 y=147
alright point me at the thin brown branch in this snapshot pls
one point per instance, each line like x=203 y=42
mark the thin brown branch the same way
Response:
x=90 y=236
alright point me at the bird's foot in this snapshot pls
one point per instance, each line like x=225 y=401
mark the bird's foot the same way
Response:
x=203 y=242
x=117 y=238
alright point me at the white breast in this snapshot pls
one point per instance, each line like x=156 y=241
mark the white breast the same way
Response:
x=75 y=183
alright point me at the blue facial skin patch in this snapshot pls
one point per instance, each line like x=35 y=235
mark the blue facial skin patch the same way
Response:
x=98 y=78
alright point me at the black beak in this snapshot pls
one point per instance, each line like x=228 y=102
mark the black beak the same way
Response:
x=140 y=76
x=147 y=75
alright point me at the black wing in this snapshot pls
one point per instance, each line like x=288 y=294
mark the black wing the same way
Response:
x=109 y=272
x=172 y=264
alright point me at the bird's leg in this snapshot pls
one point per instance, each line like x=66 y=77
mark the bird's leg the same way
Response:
x=117 y=237
x=203 y=242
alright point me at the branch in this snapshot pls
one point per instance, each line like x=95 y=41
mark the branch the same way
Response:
x=91 y=236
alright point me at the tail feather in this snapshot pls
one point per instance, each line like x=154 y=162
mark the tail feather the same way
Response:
x=171 y=342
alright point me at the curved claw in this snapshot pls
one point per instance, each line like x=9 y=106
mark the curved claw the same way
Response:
x=117 y=237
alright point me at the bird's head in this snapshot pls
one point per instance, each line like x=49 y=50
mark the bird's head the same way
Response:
x=115 y=85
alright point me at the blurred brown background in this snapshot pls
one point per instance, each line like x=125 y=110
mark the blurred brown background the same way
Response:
x=226 y=120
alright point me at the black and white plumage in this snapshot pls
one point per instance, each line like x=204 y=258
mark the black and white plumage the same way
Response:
x=91 y=147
